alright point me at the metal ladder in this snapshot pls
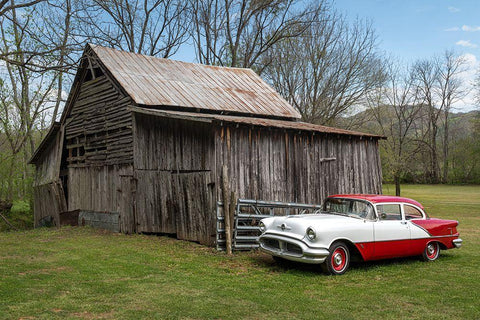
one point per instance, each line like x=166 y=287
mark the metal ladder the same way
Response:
x=248 y=214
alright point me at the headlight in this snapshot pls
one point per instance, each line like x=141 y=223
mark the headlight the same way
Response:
x=311 y=234
x=262 y=227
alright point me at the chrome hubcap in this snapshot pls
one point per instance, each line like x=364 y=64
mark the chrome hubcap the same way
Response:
x=337 y=259
x=430 y=249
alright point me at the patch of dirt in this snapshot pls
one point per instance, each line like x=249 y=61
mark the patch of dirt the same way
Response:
x=90 y=315
x=44 y=271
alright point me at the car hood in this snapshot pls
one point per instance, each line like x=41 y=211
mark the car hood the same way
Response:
x=297 y=225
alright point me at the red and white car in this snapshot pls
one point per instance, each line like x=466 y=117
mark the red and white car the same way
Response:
x=370 y=227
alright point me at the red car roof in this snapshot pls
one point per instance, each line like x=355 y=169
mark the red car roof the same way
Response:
x=377 y=198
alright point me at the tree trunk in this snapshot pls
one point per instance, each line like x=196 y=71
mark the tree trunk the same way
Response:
x=445 y=150
x=434 y=156
x=10 y=178
x=396 y=180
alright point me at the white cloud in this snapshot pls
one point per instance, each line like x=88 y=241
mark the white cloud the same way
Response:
x=466 y=43
x=470 y=28
x=453 y=9
x=453 y=29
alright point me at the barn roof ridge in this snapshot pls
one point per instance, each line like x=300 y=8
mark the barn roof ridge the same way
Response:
x=93 y=46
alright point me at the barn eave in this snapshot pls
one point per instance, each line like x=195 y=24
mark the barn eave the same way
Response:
x=259 y=122
x=47 y=140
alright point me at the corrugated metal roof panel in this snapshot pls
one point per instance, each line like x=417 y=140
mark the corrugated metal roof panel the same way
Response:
x=292 y=125
x=154 y=81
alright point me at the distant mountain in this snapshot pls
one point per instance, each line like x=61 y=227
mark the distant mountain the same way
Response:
x=461 y=123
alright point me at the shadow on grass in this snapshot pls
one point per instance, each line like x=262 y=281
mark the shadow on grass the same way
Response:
x=282 y=265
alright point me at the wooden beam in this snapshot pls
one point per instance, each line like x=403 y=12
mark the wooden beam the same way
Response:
x=172 y=115
x=226 y=209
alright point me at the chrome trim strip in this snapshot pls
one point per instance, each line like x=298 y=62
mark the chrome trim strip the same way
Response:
x=432 y=237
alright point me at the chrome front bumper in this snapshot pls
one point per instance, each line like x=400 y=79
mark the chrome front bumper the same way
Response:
x=291 y=249
x=457 y=242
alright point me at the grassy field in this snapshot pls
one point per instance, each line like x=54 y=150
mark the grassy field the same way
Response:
x=81 y=273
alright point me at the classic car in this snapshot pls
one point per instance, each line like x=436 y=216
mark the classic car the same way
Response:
x=365 y=227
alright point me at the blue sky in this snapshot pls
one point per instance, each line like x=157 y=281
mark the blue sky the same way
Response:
x=409 y=30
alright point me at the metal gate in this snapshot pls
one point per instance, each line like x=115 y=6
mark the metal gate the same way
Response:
x=247 y=215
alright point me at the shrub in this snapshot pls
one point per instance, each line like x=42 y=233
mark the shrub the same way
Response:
x=20 y=216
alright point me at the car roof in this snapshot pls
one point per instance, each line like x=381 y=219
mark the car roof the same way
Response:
x=377 y=198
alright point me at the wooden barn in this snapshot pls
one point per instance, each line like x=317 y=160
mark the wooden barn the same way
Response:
x=145 y=139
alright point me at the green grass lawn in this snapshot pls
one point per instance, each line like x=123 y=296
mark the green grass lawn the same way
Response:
x=82 y=273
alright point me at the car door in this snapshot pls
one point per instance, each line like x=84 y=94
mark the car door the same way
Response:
x=391 y=232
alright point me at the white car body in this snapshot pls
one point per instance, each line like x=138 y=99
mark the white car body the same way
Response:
x=373 y=238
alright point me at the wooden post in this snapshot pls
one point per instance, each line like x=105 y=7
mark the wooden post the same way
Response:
x=226 y=210
x=231 y=211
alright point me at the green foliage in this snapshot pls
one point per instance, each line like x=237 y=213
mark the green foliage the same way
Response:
x=20 y=207
x=20 y=216
x=84 y=273
x=16 y=176
x=463 y=156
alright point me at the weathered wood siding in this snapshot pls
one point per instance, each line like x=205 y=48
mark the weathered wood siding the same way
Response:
x=178 y=169
x=98 y=129
x=48 y=165
x=99 y=188
x=49 y=200
x=174 y=194
x=48 y=193
x=280 y=165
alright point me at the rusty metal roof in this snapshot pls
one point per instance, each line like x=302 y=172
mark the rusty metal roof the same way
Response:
x=281 y=124
x=152 y=81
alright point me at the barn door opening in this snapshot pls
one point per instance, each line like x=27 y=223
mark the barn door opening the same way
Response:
x=176 y=202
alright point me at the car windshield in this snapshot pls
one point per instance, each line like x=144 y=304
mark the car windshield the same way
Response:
x=349 y=207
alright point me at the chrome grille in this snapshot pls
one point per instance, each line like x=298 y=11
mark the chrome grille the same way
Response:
x=292 y=248
x=271 y=243
x=282 y=246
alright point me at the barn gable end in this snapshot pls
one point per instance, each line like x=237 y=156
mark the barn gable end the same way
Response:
x=98 y=126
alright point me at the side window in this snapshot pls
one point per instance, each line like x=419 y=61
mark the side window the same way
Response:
x=412 y=212
x=389 y=212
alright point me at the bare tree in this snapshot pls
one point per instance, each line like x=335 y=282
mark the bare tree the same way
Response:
x=24 y=95
x=151 y=27
x=51 y=40
x=329 y=69
x=56 y=23
x=9 y=5
x=450 y=89
x=396 y=110
x=239 y=33
x=426 y=75
x=439 y=83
